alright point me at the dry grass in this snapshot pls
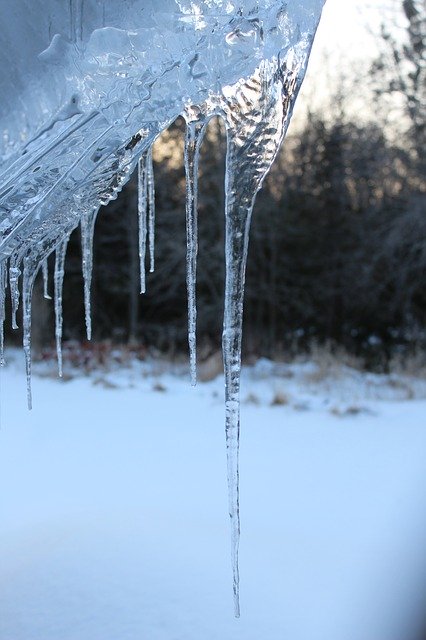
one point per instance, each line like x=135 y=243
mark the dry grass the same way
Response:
x=252 y=399
x=329 y=360
x=159 y=387
x=103 y=382
x=93 y=356
x=352 y=410
x=210 y=368
x=52 y=374
x=412 y=365
x=402 y=385
x=280 y=399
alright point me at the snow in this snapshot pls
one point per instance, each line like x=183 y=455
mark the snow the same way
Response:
x=113 y=505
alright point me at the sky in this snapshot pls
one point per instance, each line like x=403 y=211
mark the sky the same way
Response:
x=350 y=26
x=347 y=41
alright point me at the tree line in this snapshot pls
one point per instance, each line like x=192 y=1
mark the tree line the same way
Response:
x=337 y=245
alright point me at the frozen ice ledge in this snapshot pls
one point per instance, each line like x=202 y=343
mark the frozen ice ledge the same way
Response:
x=87 y=87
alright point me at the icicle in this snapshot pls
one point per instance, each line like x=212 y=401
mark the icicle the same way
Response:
x=237 y=221
x=87 y=229
x=146 y=208
x=142 y=212
x=76 y=20
x=238 y=209
x=14 y=273
x=30 y=272
x=80 y=19
x=58 y=283
x=45 y=270
x=193 y=140
x=151 y=208
x=267 y=96
x=3 y=284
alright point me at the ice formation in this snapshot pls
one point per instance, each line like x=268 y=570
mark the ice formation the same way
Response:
x=87 y=87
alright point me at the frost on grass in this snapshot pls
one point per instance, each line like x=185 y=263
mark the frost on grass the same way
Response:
x=88 y=87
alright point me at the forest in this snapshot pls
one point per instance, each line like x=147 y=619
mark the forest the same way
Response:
x=338 y=241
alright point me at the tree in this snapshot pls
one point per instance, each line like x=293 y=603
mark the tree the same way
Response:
x=401 y=71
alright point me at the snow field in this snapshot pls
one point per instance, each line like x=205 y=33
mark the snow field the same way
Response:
x=113 y=507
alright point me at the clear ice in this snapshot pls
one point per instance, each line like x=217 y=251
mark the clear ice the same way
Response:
x=87 y=87
x=60 y=254
x=142 y=216
x=45 y=270
x=195 y=128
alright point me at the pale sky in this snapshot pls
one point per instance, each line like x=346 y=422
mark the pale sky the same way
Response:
x=346 y=42
x=350 y=25
x=348 y=31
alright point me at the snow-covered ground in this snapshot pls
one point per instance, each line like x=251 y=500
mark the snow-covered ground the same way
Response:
x=113 y=506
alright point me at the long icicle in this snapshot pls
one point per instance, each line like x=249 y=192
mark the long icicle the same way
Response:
x=45 y=270
x=60 y=254
x=30 y=271
x=3 y=284
x=151 y=208
x=14 y=274
x=87 y=230
x=193 y=139
x=237 y=223
x=142 y=214
x=267 y=97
